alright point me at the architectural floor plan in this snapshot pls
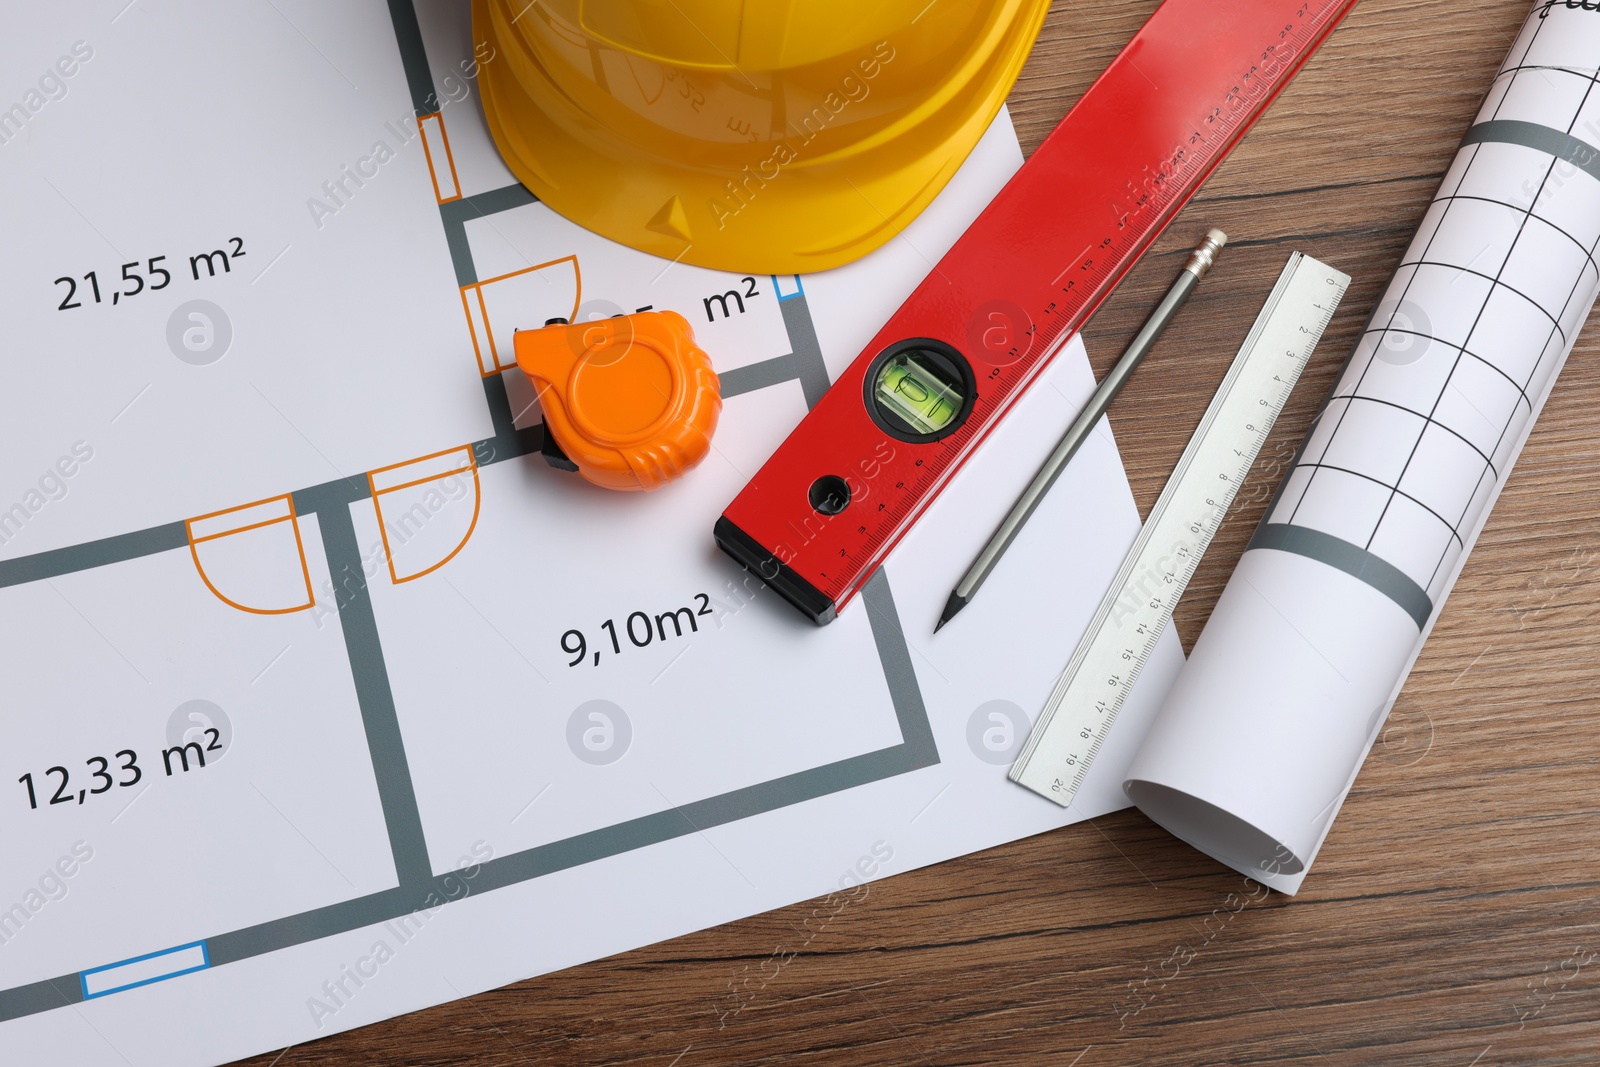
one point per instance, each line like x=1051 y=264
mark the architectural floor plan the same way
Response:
x=328 y=698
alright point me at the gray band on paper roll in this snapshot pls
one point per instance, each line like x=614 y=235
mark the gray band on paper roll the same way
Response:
x=1310 y=643
x=1558 y=143
x=1354 y=560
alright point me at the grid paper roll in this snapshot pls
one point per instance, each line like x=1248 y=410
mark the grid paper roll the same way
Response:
x=1313 y=636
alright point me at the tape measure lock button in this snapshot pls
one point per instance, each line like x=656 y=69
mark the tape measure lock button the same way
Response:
x=920 y=390
x=631 y=400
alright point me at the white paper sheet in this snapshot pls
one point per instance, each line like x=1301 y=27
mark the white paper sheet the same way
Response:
x=292 y=531
x=1307 y=649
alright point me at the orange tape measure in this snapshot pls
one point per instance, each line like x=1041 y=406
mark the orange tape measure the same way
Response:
x=631 y=401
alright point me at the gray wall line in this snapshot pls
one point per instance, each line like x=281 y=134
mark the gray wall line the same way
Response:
x=501 y=416
x=107 y=550
x=491 y=202
x=337 y=492
x=455 y=239
x=311 y=925
x=754 y=376
x=413 y=56
x=700 y=815
x=524 y=442
x=390 y=767
x=810 y=367
x=35 y=997
x=889 y=634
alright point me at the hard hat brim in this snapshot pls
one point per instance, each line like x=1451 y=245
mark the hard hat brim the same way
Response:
x=779 y=212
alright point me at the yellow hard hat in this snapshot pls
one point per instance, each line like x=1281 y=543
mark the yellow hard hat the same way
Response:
x=766 y=136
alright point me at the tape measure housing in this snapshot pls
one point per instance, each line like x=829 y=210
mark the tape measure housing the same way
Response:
x=630 y=402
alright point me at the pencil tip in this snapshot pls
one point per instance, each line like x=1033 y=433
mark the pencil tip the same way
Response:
x=951 y=608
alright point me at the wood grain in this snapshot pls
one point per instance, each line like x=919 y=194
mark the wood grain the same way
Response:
x=1453 y=907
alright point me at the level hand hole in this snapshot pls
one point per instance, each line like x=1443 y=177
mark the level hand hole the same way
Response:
x=829 y=495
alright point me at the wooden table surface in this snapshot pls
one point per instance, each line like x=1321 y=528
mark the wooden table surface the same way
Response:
x=1451 y=917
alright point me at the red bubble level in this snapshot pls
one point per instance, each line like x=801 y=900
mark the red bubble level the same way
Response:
x=820 y=516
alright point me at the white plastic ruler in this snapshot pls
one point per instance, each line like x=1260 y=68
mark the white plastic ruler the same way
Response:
x=1142 y=597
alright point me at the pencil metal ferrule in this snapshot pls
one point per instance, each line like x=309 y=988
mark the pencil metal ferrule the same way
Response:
x=1205 y=253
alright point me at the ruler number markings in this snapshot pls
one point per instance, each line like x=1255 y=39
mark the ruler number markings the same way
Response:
x=1140 y=602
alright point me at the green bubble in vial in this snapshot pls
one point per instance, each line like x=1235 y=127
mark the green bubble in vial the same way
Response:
x=918 y=395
